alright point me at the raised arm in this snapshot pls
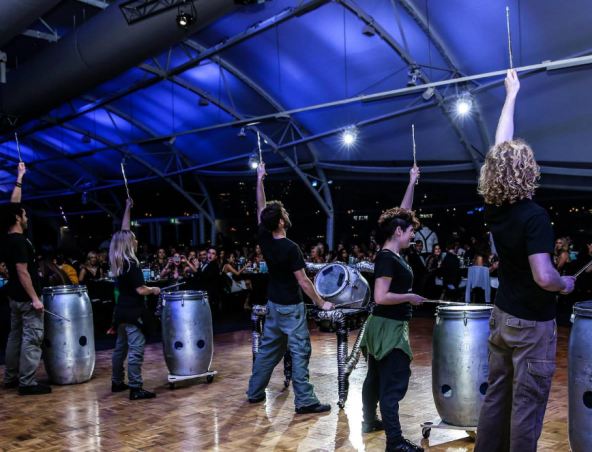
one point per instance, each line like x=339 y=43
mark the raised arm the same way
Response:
x=126 y=224
x=260 y=191
x=505 y=127
x=17 y=192
x=407 y=202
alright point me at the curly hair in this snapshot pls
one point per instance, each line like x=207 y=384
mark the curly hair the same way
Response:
x=510 y=173
x=397 y=216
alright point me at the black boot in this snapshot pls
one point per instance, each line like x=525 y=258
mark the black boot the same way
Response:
x=316 y=408
x=120 y=387
x=374 y=426
x=140 y=394
x=404 y=446
x=34 y=390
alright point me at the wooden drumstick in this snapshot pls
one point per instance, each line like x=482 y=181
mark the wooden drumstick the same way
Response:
x=583 y=269
x=125 y=178
x=414 y=153
x=509 y=37
x=259 y=145
x=18 y=147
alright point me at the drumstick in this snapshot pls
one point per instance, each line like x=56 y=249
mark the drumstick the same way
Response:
x=55 y=315
x=583 y=269
x=172 y=287
x=259 y=145
x=125 y=178
x=18 y=147
x=509 y=37
x=414 y=156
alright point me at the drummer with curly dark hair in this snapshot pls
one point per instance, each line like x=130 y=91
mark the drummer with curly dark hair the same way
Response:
x=286 y=322
x=386 y=341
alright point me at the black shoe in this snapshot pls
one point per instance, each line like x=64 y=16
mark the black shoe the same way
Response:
x=140 y=394
x=258 y=399
x=34 y=390
x=316 y=408
x=119 y=387
x=374 y=426
x=11 y=385
x=404 y=446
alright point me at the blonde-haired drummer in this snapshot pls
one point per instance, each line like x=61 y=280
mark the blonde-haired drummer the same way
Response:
x=523 y=332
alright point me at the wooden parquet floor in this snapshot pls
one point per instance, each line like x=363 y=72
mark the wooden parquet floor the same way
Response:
x=217 y=417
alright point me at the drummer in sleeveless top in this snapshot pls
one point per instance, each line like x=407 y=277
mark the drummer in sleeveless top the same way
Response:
x=286 y=322
x=386 y=341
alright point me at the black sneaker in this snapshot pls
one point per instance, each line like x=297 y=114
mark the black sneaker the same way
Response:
x=258 y=399
x=316 y=408
x=34 y=390
x=374 y=426
x=404 y=446
x=11 y=385
x=120 y=387
x=140 y=394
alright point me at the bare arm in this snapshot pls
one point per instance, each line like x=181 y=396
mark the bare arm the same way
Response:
x=145 y=290
x=126 y=224
x=82 y=275
x=260 y=191
x=25 y=280
x=310 y=290
x=17 y=192
x=384 y=297
x=407 y=202
x=505 y=126
x=547 y=277
x=561 y=261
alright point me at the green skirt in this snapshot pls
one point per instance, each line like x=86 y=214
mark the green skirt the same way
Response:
x=383 y=335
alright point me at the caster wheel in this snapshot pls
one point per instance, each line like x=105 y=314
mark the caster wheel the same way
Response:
x=286 y=383
x=425 y=432
x=341 y=404
x=171 y=386
x=472 y=435
x=210 y=378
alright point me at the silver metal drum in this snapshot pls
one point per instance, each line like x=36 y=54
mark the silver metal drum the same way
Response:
x=579 y=376
x=187 y=334
x=343 y=286
x=68 y=347
x=460 y=366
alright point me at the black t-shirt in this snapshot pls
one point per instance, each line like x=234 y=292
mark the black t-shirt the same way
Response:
x=283 y=257
x=521 y=230
x=130 y=303
x=388 y=265
x=19 y=250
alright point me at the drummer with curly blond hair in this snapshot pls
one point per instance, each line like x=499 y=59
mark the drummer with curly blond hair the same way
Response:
x=386 y=340
x=523 y=330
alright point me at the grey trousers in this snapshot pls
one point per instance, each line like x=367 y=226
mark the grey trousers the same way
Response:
x=284 y=325
x=130 y=340
x=23 y=350
x=521 y=367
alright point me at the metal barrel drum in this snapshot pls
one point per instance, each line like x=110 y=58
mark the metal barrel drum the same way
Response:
x=579 y=376
x=68 y=347
x=460 y=366
x=343 y=286
x=187 y=333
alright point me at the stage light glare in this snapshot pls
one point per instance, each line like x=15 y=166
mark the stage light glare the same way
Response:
x=349 y=136
x=254 y=165
x=463 y=107
x=242 y=133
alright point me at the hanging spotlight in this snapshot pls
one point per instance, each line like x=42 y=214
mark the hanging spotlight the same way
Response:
x=187 y=14
x=428 y=93
x=242 y=133
x=349 y=135
x=415 y=73
x=84 y=199
x=315 y=183
x=254 y=162
x=464 y=104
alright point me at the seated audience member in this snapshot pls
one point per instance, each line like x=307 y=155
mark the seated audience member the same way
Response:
x=433 y=263
x=450 y=272
x=342 y=256
x=561 y=258
x=3 y=270
x=221 y=257
x=257 y=257
x=104 y=262
x=91 y=269
x=70 y=272
x=51 y=274
x=177 y=267
x=330 y=257
x=483 y=256
x=237 y=285
x=316 y=255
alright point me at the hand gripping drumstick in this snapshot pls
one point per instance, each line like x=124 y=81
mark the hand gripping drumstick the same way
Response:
x=55 y=315
x=509 y=37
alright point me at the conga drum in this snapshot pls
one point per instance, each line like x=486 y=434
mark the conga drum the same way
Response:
x=343 y=286
x=460 y=366
x=187 y=333
x=579 y=375
x=68 y=347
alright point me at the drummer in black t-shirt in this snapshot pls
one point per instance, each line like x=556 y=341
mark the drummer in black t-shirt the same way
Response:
x=132 y=319
x=23 y=350
x=386 y=341
x=523 y=332
x=286 y=319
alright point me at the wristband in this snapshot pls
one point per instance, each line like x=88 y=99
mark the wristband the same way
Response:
x=18 y=184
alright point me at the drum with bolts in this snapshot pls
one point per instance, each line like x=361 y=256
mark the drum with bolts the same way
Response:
x=68 y=347
x=460 y=366
x=187 y=334
x=343 y=286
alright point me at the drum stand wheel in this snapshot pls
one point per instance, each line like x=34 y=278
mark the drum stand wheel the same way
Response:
x=173 y=379
x=426 y=428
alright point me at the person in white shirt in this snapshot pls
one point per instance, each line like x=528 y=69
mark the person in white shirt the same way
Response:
x=428 y=237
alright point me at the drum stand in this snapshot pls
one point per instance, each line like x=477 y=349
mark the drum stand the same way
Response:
x=427 y=427
x=258 y=315
x=345 y=364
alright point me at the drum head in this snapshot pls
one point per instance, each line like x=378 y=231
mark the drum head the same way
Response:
x=331 y=280
x=185 y=295
x=64 y=289
x=473 y=312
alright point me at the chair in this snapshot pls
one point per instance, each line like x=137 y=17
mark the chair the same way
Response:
x=478 y=277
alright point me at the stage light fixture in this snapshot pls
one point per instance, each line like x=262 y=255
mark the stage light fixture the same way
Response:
x=254 y=162
x=349 y=135
x=242 y=133
x=187 y=14
x=314 y=183
x=464 y=104
x=415 y=73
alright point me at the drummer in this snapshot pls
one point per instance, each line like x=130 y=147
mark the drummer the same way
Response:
x=286 y=321
x=132 y=319
x=386 y=341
